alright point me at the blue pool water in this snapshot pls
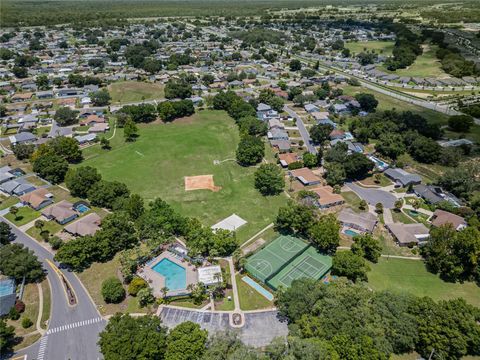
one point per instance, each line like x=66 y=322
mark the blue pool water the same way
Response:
x=350 y=232
x=257 y=287
x=174 y=274
x=81 y=208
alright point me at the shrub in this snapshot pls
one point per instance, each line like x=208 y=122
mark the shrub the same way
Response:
x=136 y=285
x=26 y=322
x=20 y=306
x=56 y=243
x=112 y=290
x=13 y=314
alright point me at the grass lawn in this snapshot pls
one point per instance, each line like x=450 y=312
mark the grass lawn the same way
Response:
x=399 y=216
x=30 y=298
x=353 y=200
x=412 y=276
x=24 y=216
x=425 y=65
x=155 y=166
x=132 y=91
x=35 y=180
x=8 y=202
x=187 y=304
x=93 y=277
x=249 y=298
x=47 y=303
x=370 y=181
x=52 y=226
x=386 y=102
x=379 y=47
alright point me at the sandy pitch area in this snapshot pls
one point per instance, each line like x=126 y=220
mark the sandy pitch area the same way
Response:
x=201 y=182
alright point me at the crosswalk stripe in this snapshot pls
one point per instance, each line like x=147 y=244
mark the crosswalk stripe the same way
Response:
x=74 y=325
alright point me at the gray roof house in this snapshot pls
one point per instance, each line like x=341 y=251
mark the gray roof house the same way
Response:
x=435 y=194
x=22 y=138
x=17 y=187
x=402 y=177
x=408 y=234
x=5 y=174
x=277 y=134
x=364 y=222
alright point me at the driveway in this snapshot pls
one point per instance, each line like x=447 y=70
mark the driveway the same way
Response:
x=373 y=196
x=302 y=130
x=260 y=328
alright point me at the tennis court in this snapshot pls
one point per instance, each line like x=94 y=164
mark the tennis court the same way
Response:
x=310 y=264
x=274 y=256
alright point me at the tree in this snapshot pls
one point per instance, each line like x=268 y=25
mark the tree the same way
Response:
x=295 y=65
x=363 y=204
x=325 y=233
x=425 y=150
x=250 y=150
x=105 y=143
x=461 y=180
x=186 y=341
x=460 y=123
x=367 y=102
x=310 y=160
x=6 y=235
x=367 y=246
x=138 y=113
x=65 y=116
x=80 y=180
x=66 y=147
x=335 y=174
x=391 y=145
x=19 y=262
x=112 y=290
x=145 y=296
x=14 y=211
x=357 y=166
x=136 y=285
x=269 y=179
x=7 y=337
x=130 y=131
x=106 y=193
x=398 y=205
x=350 y=265
x=321 y=132
x=42 y=82
x=51 y=167
x=294 y=219
x=23 y=151
x=129 y=338
x=177 y=89
x=379 y=208
x=166 y=111
x=101 y=98
x=251 y=125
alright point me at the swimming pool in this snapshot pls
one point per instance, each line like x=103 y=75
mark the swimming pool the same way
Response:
x=174 y=274
x=351 y=233
x=82 y=208
x=257 y=287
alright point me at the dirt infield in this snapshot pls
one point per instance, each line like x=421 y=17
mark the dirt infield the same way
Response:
x=201 y=182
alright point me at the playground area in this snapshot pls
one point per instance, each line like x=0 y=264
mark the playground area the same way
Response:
x=286 y=259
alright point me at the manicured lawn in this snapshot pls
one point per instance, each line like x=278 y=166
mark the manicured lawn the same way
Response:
x=52 y=226
x=384 y=181
x=155 y=166
x=132 y=91
x=387 y=103
x=47 y=301
x=411 y=276
x=35 y=180
x=25 y=215
x=249 y=298
x=353 y=200
x=8 y=202
x=30 y=298
x=187 y=304
x=93 y=277
x=379 y=47
x=399 y=216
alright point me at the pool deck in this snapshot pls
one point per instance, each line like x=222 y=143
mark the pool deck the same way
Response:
x=157 y=281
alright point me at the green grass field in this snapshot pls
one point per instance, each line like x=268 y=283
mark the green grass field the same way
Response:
x=155 y=166
x=24 y=216
x=132 y=91
x=412 y=276
x=250 y=299
x=379 y=47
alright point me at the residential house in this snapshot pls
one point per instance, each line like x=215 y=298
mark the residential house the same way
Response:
x=408 y=234
x=37 y=199
x=306 y=176
x=402 y=177
x=311 y=108
x=92 y=120
x=435 y=194
x=287 y=159
x=99 y=128
x=17 y=187
x=5 y=174
x=22 y=138
x=327 y=198
x=62 y=212
x=364 y=222
x=87 y=225
x=277 y=134
x=85 y=139
x=282 y=146
x=442 y=217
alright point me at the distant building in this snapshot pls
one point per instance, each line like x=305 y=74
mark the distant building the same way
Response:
x=8 y=295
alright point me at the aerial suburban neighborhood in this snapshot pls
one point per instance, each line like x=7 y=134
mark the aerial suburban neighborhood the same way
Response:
x=252 y=180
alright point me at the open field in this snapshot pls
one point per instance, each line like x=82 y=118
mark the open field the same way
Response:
x=250 y=299
x=24 y=216
x=156 y=164
x=412 y=276
x=132 y=91
x=379 y=47
x=426 y=65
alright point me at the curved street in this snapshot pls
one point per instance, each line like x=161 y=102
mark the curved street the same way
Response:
x=72 y=331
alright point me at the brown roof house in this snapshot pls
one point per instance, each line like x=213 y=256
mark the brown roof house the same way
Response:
x=87 y=225
x=287 y=158
x=37 y=199
x=306 y=176
x=327 y=198
x=442 y=217
x=364 y=222
x=62 y=212
x=408 y=234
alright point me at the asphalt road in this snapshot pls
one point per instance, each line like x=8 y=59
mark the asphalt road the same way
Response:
x=72 y=330
x=374 y=196
x=302 y=130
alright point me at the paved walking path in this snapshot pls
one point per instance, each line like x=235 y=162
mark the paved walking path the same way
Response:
x=256 y=235
x=387 y=216
x=234 y=285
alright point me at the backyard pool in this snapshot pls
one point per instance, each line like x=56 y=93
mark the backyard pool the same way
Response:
x=351 y=233
x=174 y=274
x=82 y=208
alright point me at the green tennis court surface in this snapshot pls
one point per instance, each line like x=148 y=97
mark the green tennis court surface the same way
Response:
x=309 y=264
x=269 y=260
x=286 y=259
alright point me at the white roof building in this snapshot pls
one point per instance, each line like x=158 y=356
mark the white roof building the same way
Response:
x=210 y=275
